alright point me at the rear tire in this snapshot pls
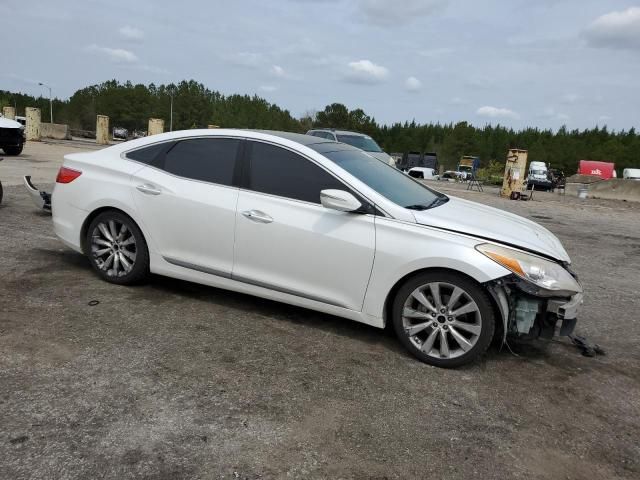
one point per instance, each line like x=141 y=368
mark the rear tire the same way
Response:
x=117 y=249
x=443 y=318
x=12 y=151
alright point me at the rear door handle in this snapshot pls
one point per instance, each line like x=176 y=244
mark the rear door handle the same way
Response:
x=257 y=216
x=148 y=189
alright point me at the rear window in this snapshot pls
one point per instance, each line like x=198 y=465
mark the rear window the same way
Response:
x=208 y=159
x=148 y=154
x=359 y=141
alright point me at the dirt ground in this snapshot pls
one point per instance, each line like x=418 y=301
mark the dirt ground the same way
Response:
x=175 y=380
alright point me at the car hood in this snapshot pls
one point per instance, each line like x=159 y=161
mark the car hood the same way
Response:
x=491 y=223
x=6 y=123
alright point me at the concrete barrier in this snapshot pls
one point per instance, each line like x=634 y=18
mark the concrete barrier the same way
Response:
x=613 y=189
x=156 y=126
x=56 y=131
x=9 y=113
x=32 y=128
x=102 y=130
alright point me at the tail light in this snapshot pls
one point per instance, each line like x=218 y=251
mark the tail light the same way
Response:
x=67 y=175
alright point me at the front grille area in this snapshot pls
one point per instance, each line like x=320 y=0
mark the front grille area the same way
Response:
x=13 y=135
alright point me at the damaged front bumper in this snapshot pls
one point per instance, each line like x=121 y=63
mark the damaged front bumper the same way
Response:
x=530 y=316
x=41 y=199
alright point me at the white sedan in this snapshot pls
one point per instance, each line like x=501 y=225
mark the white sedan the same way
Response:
x=319 y=224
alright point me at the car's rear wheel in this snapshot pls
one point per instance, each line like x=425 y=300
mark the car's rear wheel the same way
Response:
x=443 y=318
x=117 y=249
x=15 y=150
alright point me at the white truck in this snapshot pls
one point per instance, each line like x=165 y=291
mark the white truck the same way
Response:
x=631 y=173
x=538 y=176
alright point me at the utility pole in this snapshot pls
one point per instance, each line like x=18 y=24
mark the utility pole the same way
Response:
x=172 y=92
x=50 y=100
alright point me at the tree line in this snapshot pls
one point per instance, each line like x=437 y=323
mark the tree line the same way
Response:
x=194 y=106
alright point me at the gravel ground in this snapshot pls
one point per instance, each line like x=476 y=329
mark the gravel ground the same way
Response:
x=177 y=380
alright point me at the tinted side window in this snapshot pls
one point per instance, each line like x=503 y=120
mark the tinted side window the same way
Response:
x=281 y=172
x=208 y=159
x=149 y=154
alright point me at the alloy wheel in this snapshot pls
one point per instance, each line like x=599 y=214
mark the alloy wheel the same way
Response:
x=113 y=248
x=442 y=320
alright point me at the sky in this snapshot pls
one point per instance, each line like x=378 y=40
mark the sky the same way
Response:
x=542 y=63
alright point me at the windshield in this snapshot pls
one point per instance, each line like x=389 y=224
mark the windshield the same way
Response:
x=363 y=143
x=538 y=172
x=388 y=181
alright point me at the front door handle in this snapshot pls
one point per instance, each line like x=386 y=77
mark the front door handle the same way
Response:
x=148 y=189
x=257 y=216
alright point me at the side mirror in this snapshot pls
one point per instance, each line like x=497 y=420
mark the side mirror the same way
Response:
x=339 y=200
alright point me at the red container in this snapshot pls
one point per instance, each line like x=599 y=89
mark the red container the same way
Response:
x=603 y=170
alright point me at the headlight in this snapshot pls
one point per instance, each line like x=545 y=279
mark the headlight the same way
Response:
x=549 y=276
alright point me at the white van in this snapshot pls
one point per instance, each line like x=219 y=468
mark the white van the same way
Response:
x=424 y=173
x=631 y=173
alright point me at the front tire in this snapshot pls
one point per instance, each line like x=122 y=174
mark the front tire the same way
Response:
x=117 y=249
x=15 y=150
x=443 y=318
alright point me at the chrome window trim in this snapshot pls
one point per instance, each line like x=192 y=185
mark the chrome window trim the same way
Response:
x=123 y=155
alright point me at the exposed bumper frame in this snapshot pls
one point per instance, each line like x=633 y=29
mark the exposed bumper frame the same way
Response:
x=42 y=200
x=559 y=309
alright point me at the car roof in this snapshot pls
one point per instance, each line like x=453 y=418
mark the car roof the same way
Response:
x=319 y=144
x=295 y=137
x=338 y=132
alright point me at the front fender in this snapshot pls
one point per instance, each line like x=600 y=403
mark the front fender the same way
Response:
x=405 y=248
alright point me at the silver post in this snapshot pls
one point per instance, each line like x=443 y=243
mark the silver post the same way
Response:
x=171 y=114
x=50 y=100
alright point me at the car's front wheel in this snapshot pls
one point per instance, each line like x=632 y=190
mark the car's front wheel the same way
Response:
x=117 y=249
x=14 y=150
x=443 y=318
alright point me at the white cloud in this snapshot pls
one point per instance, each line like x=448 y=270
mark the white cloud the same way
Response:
x=412 y=84
x=117 y=55
x=267 y=88
x=278 y=71
x=496 y=112
x=365 y=71
x=397 y=12
x=131 y=33
x=619 y=29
